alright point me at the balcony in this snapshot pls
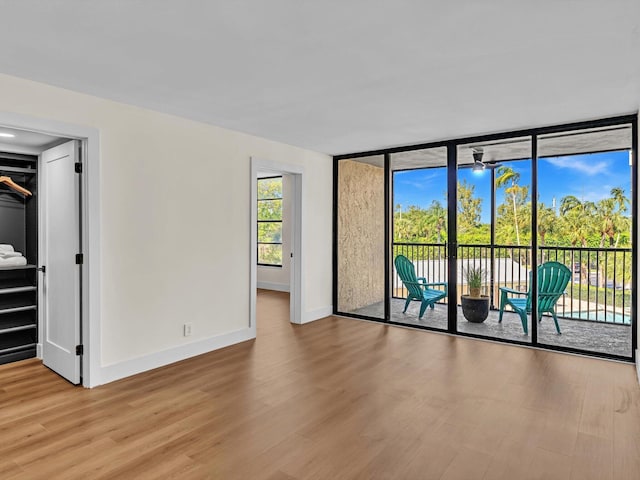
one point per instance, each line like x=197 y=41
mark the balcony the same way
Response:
x=570 y=191
x=594 y=314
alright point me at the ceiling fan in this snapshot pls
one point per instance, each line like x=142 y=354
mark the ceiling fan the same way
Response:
x=478 y=164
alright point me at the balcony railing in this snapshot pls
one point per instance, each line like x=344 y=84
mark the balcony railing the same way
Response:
x=600 y=288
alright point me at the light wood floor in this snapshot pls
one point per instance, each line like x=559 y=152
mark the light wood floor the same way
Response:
x=333 y=399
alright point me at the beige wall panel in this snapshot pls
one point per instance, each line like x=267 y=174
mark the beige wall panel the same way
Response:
x=360 y=235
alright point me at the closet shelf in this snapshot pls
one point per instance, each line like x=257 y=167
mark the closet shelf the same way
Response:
x=7 y=291
x=17 y=309
x=16 y=348
x=21 y=267
x=17 y=280
x=16 y=326
x=14 y=341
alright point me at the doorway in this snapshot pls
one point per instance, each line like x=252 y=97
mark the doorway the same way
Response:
x=50 y=286
x=275 y=247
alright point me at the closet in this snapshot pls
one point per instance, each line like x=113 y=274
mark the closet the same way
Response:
x=41 y=257
x=18 y=235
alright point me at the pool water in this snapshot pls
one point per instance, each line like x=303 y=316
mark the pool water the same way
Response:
x=601 y=316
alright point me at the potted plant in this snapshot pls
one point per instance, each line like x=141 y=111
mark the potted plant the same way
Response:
x=475 y=307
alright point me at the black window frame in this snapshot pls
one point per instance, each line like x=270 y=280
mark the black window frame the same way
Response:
x=451 y=145
x=258 y=242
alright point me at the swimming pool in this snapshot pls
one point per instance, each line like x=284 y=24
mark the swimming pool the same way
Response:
x=601 y=316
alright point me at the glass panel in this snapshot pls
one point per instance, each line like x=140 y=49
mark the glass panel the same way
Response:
x=269 y=188
x=269 y=254
x=494 y=237
x=269 y=209
x=419 y=186
x=270 y=232
x=361 y=247
x=584 y=223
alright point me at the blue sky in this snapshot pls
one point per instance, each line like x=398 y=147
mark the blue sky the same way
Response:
x=588 y=177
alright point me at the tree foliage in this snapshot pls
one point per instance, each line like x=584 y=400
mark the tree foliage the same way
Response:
x=270 y=221
x=579 y=223
x=469 y=208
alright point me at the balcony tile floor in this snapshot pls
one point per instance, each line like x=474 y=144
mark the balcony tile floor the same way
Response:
x=584 y=335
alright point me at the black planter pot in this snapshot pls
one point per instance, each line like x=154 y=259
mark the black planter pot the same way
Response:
x=475 y=310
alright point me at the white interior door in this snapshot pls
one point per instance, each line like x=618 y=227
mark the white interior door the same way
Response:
x=60 y=242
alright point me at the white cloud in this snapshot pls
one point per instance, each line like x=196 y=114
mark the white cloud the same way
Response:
x=590 y=192
x=581 y=165
x=417 y=185
x=593 y=196
x=420 y=182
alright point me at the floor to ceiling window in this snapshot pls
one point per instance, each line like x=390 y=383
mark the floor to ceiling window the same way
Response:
x=525 y=237
x=585 y=222
x=419 y=227
x=494 y=233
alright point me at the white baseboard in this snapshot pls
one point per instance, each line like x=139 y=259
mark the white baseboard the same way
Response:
x=280 y=287
x=127 y=368
x=39 y=350
x=318 y=313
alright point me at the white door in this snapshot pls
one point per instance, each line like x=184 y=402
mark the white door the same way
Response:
x=60 y=242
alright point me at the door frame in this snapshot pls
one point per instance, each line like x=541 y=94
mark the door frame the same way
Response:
x=295 y=272
x=90 y=230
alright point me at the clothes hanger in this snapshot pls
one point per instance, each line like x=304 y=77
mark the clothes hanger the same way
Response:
x=11 y=184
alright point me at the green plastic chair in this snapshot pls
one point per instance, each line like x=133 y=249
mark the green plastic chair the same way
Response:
x=418 y=287
x=553 y=278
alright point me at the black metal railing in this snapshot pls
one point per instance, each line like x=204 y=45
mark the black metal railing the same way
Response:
x=600 y=288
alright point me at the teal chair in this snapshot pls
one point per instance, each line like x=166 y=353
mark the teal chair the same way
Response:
x=553 y=278
x=418 y=287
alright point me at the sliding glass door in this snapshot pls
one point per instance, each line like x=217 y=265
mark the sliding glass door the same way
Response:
x=420 y=235
x=585 y=222
x=494 y=236
x=526 y=237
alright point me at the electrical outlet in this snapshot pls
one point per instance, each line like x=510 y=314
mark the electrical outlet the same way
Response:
x=187 y=329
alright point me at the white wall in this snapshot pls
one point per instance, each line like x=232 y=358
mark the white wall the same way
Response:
x=278 y=278
x=175 y=224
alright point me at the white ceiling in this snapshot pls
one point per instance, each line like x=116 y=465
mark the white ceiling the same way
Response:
x=339 y=76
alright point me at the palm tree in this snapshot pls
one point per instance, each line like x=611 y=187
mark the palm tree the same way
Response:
x=506 y=176
x=469 y=208
x=547 y=223
x=401 y=228
x=619 y=197
x=437 y=219
x=622 y=224
x=621 y=221
x=579 y=217
x=605 y=220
